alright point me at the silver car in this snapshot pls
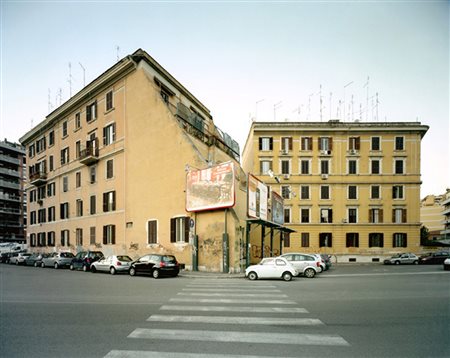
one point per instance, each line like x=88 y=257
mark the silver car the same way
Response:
x=57 y=259
x=306 y=265
x=404 y=258
x=112 y=264
x=19 y=258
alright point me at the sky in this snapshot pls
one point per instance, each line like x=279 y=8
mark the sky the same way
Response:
x=245 y=60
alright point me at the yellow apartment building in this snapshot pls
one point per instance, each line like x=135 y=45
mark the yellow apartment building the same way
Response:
x=351 y=190
x=108 y=169
x=431 y=215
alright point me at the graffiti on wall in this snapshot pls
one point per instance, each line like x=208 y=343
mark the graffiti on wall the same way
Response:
x=256 y=252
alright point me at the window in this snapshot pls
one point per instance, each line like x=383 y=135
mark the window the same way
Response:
x=352 y=215
x=325 y=143
x=92 y=174
x=375 y=216
x=152 y=232
x=51 y=238
x=286 y=144
x=40 y=145
x=33 y=195
x=33 y=240
x=92 y=209
x=285 y=192
x=51 y=164
x=65 y=238
x=287 y=215
x=376 y=240
x=109 y=201
x=354 y=143
x=109 y=169
x=304 y=192
x=65 y=184
x=375 y=192
x=305 y=239
x=352 y=192
x=179 y=229
x=31 y=151
x=51 y=214
x=325 y=240
x=91 y=112
x=399 y=216
x=325 y=192
x=304 y=215
x=92 y=235
x=285 y=167
x=399 y=143
x=324 y=166
x=79 y=207
x=78 y=149
x=77 y=120
x=352 y=167
x=109 y=235
x=304 y=166
x=109 y=134
x=306 y=143
x=78 y=179
x=326 y=215
x=65 y=156
x=265 y=143
x=41 y=239
x=64 y=210
x=32 y=217
x=352 y=239
x=375 y=166
x=286 y=239
x=397 y=192
x=399 y=166
x=109 y=100
x=64 y=129
x=375 y=143
x=42 y=216
x=51 y=138
x=51 y=189
x=265 y=166
x=41 y=193
x=79 y=237
x=400 y=240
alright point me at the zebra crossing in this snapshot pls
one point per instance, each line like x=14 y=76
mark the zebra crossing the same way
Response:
x=222 y=310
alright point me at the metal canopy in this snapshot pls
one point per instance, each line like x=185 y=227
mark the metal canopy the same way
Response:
x=270 y=224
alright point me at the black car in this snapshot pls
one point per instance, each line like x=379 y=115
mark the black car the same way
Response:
x=435 y=258
x=84 y=259
x=155 y=265
x=4 y=258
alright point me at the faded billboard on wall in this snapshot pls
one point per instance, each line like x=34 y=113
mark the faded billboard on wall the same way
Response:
x=210 y=188
x=277 y=208
x=257 y=198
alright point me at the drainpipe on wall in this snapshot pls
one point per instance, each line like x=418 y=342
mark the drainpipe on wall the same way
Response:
x=195 y=246
x=225 y=249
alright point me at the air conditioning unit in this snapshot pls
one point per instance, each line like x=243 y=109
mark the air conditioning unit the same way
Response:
x=324 y=176
x=324 y=152
x=286 y=176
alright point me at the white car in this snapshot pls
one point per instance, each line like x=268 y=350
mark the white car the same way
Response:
x=112 y=264
x=306 y=265
x=19 y=259
x=271 y=267
x=447 y=264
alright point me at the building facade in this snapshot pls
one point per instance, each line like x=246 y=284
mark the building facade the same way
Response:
x=445 y=233
x=431 y=215
x=12 y=194
x=107 y=171
x=350 y=189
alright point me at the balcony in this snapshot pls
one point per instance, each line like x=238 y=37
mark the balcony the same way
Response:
x=89 y=155
x=38 y=178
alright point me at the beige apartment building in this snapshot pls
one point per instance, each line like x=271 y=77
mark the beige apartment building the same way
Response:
x=350 y=189
x=432 y=216
x=108 y=168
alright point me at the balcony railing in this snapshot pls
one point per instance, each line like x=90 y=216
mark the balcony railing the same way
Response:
x=89 y=155
x=38 y=178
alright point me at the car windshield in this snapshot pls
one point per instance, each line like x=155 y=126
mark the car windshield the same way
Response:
x=124 y=258
x=397 y=255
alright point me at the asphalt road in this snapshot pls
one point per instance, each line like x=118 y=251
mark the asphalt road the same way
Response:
x=349 y=311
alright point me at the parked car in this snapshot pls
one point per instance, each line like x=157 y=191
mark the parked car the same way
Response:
x=112 y=264
x=19 y=258
x=155 y=265
x=327 y=259
x=57 y=260
x=434 y=258
x=84 y=259
x=4 y=257
x=447 y=264
x=306 y=265
x=34 y=260
x=271 y=267
x=403 y=258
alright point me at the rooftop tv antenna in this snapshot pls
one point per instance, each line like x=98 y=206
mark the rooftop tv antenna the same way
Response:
x=345 y=103
x=70 y=80
x=299 y=111
x=320 y=101
x=117 y=50
x=367 y=96
x=84 y=74
x=49 y=101
x=309 y=106
x=331 y=95
x=275 y=107
x=256 y=108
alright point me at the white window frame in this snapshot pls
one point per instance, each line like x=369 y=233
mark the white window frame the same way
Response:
x=348 y=215
x=394 y=169
x=356 y=166
x=300 y=164
x=309 y=214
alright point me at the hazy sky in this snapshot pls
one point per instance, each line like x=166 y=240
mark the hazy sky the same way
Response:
x=241 y=58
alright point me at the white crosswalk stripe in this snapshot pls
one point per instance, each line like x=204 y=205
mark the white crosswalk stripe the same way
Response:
x=249 y=309
x=229 y=300
x=240 y=337
x=227 y=294
x=150 y=354
x=228 y=290
x=236 y=320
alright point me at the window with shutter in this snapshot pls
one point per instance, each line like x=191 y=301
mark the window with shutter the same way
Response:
x=152 y=237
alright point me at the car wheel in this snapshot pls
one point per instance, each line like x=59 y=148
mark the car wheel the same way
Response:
x=416 y=262
x=56 y=265
x=71 y=267
x=42 y=265
x=287 y=276
x=36 y=264
x=252 y=276
x=397 y=262
x=132 y=271
x=155 y=273
x=85 y=268
x=93 y=269
x=310 y=273
x=112 y=271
